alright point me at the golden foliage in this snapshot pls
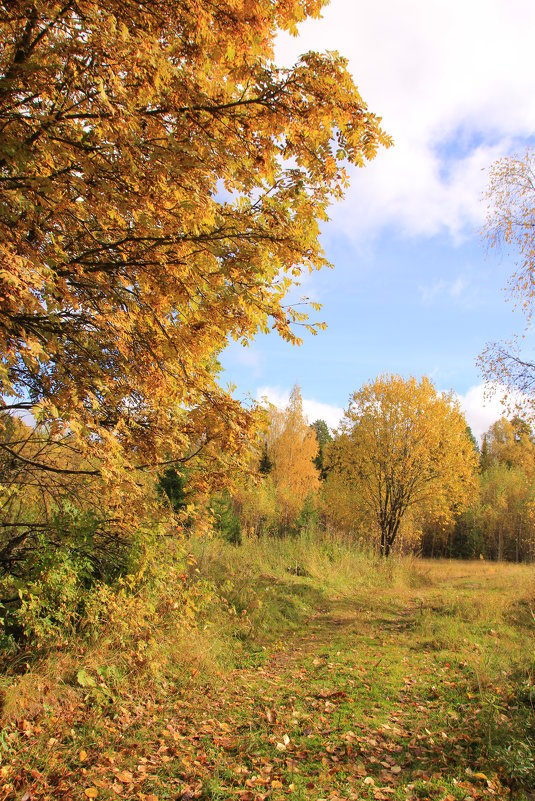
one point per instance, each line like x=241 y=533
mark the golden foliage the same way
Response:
x=506 y=505
x=162 y=187
x=292 y=447
x=511 y=224
x=286 y=477
x=403 y=447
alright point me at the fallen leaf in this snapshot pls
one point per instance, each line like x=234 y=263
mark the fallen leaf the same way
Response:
x=125 y=776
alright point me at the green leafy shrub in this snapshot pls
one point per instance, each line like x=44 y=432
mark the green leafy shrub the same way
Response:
x=52 y=604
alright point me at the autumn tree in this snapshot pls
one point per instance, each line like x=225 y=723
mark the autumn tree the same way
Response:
x=511 y=226
x=503 y=512
x=273 y=500
x=161 y=188
x=403 y=448
x=292 y=446
x=509 y=442
x=340 y=503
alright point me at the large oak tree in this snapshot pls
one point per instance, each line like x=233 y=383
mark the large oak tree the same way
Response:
x=162 y=183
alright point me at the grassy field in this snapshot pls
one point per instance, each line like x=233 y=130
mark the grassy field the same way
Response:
x=287 y=670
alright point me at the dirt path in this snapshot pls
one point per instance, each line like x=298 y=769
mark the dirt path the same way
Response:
x=381 y=698
x=358 y=705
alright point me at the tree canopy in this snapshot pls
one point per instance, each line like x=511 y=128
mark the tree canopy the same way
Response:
x=401 y=446
x=511 y=225
x=161 y=188
x=292 y=447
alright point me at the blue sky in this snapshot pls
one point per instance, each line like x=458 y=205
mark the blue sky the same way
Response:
x=413 y=290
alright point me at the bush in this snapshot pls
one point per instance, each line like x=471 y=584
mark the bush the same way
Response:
x=52 y=604
x=59 y=577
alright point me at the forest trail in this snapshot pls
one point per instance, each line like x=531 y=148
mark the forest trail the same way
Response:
x=389 y=694
x=361 y=703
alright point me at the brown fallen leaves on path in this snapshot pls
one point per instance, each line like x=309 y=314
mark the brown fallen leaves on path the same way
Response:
x=345 y=709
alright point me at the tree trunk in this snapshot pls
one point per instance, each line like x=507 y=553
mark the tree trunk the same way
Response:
x=388 y=535
x=385 y=548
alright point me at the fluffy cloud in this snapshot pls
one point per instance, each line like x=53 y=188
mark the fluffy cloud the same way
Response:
x=486 y=403
x=453 y=83
x=314 y=410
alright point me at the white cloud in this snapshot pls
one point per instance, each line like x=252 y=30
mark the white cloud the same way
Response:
x=440 y=289
x=485 y=403
x=453 y=82
x=314 y=410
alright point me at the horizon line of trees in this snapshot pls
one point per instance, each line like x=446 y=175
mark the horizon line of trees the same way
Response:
x=403 y=473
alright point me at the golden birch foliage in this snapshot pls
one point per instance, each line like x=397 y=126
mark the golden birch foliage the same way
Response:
x=402 y=446
x=282 y=470
x=162 y=184
x=511 y=219
x=340 y=503
x=292 y=446
x=511 y=225
x=258 y=506
x=509 y=442
x=504 y=512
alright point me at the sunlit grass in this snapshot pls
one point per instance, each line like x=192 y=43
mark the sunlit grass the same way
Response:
x=423 y=665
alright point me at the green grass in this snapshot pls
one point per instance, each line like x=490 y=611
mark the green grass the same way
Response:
x=306 y=670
